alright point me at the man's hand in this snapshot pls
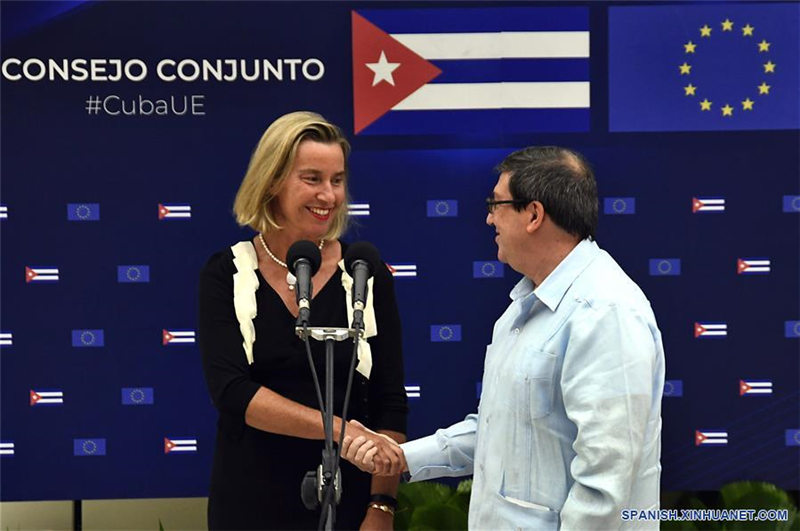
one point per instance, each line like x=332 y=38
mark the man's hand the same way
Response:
x=372 y=452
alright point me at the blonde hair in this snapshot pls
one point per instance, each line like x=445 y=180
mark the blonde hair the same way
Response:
x=271 y=163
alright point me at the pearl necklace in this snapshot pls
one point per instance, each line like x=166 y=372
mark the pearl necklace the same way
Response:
x=291 y=280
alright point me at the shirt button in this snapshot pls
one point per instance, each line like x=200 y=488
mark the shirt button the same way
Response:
x=516 y=330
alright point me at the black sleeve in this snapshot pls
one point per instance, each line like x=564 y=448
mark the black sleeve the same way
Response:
x=224 y=361
x=387 y=401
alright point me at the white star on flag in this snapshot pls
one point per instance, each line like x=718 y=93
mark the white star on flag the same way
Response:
x=383 y=70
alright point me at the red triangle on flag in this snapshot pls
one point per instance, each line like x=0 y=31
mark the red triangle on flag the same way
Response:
x=698 y=329
x=698 y=438
x=696 y=204
x=741 y=265
x=743 y=387
x=374 y=96
x=166 y=337
x=162 y=211
x=30 y=274
x=34 y=397
x=168 y=445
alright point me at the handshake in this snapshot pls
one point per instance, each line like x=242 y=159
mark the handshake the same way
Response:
x=372 y=452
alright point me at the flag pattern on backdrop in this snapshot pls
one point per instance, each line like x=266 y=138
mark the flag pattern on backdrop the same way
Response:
x=402 y=270
x=753 y=266
x=46 y=397
x=83 y=211
x=665 y=267
x=487 y=269
x=792 y=437
x=445 y=333
x=358 y=209
x=791 y=203
x=673 y=388
x=710 y=437
x=6 y=447
x=179 y=445
x=177 y=337
x=791 y=329
x=442 y=208
x=88 y=447
x=88 y=338
x=6 y=339
x=755 y=387
x=706 y=330
x=41 y=274
x=174 y=211
x=3 y=212
x=706 y=205
x=711 y=67
x=129 y=274
x=619 y=205
x=456 y=70
x=413 y=391
x=137 y=396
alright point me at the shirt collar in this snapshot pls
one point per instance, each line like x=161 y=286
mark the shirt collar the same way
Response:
x=556 y=284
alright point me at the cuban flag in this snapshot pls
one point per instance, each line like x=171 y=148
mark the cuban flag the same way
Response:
x=47 y=397
x=7 y=448
x=753 y=266
x=41 y=274
x=442 y=208
x=755 y=387
x=402 y=270
x=710 y=437
x=3 y=212
x=358 y=209
x=175 y=337
x=706 y=330
x=414 y=391
x=174 y=211
x=470 y=70
x=180 y=446
x=707 y=205
x=6 y=339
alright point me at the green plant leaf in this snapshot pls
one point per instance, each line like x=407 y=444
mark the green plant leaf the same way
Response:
x=424 y=492
x=438 y=516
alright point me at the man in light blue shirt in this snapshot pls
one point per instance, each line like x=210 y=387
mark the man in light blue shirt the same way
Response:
x=568 y=429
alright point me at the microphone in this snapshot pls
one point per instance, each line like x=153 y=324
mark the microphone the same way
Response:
x=360 y=261
x=303 y=260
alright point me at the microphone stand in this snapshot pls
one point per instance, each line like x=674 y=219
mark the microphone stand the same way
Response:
x=323 y=487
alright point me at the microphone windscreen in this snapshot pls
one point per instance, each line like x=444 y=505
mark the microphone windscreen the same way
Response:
x=362 y=251
x=304 y=249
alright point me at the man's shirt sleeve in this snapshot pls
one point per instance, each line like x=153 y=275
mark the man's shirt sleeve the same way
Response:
x=607 y=383
x=448 y=452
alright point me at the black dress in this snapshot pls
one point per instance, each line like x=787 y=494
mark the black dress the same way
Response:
x=256 y=476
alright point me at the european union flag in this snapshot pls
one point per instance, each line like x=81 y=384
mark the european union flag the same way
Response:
x=133 y=273
x=83 y=211
x=478 y=389
x=704 y=67
x=619 y=205
x=137 y=396
x=665 y=267
x=791 y=329
x=88 y=338
x=490 y=269
x=792 y=437
x=447 y=332
x=85 y=447
x=791 y=203
x=442 y=208
x=673 y=388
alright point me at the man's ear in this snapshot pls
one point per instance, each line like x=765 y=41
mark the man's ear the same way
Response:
x=535 y=211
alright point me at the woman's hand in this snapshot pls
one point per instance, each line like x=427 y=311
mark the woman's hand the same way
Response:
x=372 y=452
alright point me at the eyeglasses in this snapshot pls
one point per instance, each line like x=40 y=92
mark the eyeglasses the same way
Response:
x=491 y=204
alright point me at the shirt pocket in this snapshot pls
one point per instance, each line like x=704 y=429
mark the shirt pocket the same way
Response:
x=535 y=382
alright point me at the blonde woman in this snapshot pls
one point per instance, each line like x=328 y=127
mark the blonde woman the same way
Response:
x=270 y=428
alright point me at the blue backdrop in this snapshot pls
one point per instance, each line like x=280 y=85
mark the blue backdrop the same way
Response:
x=107 y=218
